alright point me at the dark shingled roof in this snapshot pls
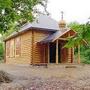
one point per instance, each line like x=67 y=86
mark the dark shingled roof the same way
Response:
x=43 y=22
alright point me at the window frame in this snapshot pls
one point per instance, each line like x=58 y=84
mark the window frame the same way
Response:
x=12 y=48
x=8 y=49
x=17 y=46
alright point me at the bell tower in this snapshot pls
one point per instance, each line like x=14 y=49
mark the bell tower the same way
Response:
x=62 y=23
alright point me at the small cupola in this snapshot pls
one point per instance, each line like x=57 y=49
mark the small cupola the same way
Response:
x=62 y=23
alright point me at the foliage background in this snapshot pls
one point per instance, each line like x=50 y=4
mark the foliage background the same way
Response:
x=83 y=33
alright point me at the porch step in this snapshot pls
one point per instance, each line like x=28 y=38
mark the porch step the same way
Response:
x=71 y=66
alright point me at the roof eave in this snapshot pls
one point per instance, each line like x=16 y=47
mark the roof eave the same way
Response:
x=23 y=31
x=17 y=33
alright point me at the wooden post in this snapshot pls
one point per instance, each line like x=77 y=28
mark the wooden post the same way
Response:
x=73 y=54
x=32 y=47
x=56 y=51
x=78 y=54
x=43 y=53
x=48 y=53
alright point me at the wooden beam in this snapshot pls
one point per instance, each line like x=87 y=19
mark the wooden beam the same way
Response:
x=48 y=53
x=63 y=39
x=78 y=54
x=73 y=54
x=56 y=51
x=44 y=53
x=66 y=37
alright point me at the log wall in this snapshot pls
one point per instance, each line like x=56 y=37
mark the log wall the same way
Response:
x=26 y=48
x=40 y=53
x=32 y=52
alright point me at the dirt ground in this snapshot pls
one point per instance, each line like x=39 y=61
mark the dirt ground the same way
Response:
x=53 y=77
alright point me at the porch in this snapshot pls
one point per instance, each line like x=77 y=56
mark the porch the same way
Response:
x=56 y=53
x=54 y=50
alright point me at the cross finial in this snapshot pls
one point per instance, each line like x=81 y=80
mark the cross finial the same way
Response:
x=62 y=15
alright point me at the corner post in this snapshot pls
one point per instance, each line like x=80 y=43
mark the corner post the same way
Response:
x=56 y=51
x=48 y=53
x=44 y=53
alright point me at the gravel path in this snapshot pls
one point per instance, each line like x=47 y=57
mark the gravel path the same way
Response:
x=55 y=77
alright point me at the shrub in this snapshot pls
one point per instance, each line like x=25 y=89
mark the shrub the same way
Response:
x=1 y=51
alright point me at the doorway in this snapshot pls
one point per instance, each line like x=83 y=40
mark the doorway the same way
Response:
x=52 y=53
x=52 y=47
x=59 y=53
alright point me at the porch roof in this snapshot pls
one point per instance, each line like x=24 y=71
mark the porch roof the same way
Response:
x=55 y=35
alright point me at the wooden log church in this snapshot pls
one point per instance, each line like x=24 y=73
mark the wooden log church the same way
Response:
x=40 y=42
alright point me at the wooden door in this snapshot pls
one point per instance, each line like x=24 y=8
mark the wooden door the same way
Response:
x=63 y=52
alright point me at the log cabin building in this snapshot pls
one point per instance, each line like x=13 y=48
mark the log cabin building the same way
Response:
x=40 y=42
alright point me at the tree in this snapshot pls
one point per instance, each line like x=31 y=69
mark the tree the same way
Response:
x=83 y=34
x=17 y=12
x=74 y=26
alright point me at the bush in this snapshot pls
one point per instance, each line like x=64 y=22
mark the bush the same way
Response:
x=85 y=54
x=86 y=61
x=1 y=51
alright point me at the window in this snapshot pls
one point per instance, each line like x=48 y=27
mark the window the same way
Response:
x=13 y=47
x=18 y=46
x=8 y=48
x=12 y=50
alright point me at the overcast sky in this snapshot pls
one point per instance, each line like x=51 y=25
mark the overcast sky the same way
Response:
x=74 y=10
